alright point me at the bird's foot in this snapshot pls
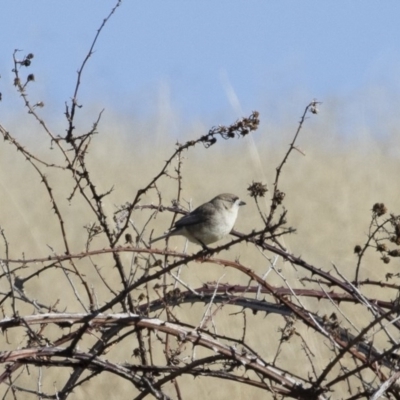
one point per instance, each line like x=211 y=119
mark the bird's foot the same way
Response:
x=205 y=252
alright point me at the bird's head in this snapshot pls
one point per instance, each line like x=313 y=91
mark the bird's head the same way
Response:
x=228 y=201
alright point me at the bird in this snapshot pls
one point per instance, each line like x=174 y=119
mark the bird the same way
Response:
x=209 y=222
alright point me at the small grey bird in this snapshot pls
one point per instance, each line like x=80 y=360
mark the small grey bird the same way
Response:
x=209 y=222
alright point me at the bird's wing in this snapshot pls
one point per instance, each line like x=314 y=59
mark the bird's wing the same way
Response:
x=200 y=214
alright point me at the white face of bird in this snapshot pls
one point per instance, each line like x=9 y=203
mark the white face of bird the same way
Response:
x=236 y=202
x=234 y=205
x=231 y=202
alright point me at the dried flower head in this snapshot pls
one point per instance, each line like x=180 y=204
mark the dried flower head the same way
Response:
x=397 y=228
x=386 y=259
x=381 y=247
x=379 y=209
x=395 y=239
x=128 y=238
x=257 y=189
x=136 y=352
x=279 y=196
x=394 y=253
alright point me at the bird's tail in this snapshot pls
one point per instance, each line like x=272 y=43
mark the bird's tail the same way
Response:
x=159 y=237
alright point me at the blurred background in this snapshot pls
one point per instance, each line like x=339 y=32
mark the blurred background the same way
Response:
x=168 y=71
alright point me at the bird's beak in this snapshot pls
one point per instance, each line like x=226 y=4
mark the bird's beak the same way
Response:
x=242 y=203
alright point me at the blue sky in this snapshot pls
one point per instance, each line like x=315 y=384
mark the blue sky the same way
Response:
x=199 y=52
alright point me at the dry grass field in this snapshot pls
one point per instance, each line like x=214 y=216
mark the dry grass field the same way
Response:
x=331 y=185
